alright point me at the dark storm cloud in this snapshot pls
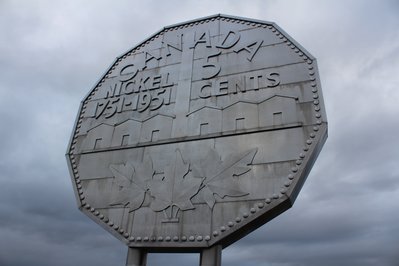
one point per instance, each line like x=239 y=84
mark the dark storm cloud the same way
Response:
x=53 y=52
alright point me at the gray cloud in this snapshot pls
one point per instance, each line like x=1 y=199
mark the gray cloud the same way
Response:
x=53 y=52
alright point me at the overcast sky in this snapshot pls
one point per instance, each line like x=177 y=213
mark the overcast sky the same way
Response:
x=53 y=52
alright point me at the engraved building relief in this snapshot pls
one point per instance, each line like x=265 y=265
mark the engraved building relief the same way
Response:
x=239 y=116
x=277 y=110
x=158 y=127
x=126 y=133
x=129 y=132
x=206 y=120
x=98 y=137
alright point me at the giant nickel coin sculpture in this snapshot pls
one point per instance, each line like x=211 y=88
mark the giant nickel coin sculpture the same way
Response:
x=197 y=136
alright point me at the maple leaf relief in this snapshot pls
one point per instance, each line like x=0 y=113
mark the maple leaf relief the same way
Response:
x=220 y=177
x=132 y=182
x=177 y=188
x=211 y=176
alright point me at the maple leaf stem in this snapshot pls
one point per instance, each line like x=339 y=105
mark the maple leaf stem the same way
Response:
x=225 y=169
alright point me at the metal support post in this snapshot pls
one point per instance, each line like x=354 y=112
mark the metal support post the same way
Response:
x=211 y=256
x=136 y=257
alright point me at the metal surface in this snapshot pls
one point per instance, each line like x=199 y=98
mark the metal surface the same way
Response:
x=211 y=256
x=136 y=257
x=198 y=135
